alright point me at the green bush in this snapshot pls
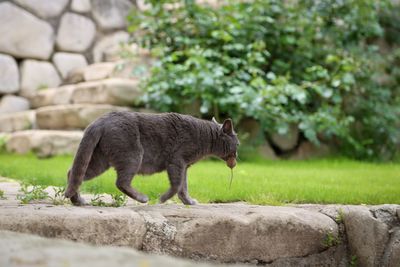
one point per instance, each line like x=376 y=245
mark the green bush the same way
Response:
x=311 y=63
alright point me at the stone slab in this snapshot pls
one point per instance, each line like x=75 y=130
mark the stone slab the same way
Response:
x=17 y=121
x=44 y=143
x=75 y=116
x=123 y=92
x=18 y=249
x=216 y=232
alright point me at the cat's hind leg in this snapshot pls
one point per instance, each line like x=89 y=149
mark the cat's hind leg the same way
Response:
x=76 y=199
x=97 y=165
x=176 y=174
x=126 y=170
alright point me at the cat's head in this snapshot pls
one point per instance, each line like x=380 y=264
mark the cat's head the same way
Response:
x=229 y=142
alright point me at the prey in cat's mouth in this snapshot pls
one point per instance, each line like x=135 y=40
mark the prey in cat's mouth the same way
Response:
x=230 y=160
x=139 y=143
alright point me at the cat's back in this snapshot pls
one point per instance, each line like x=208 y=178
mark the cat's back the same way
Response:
x=149 y=123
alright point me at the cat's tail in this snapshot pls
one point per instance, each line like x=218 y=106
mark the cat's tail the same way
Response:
x=82 y=159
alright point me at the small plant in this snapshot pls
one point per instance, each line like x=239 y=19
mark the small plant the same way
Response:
x=42 y=86
x=257 y=59
x=153 y=201
x=59 y=198
x=119 y=200
x=340 y=216
x=32 y=192
x=3 y=141
x=2 y=195
x=353 y=261
x=330 y=240
x=97 y=200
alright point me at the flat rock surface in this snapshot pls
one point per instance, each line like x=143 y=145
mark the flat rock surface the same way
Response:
x=298 y=235
x=17 y=121
x=236 y=232
x=53 y=96
x=75 y=116
x=113 y=91
x=18 y=249
x=44 y=143
x=221 y=232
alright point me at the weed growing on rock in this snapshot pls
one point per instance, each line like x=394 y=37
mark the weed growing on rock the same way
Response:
x=2 y=195
x=58 y=198
x=97 y=200
x=330 y=240
x=340 y=216
x=32 y=192
x=353 y=261
x=42 y=86
x=118 y=200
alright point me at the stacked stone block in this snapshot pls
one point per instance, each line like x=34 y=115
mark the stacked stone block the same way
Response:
x=43 y=40
x=53 y=78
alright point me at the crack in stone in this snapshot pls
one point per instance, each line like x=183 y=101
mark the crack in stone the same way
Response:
x=386 y=255
x=373 y=213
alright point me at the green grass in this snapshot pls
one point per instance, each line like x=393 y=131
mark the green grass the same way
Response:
x=261 y=182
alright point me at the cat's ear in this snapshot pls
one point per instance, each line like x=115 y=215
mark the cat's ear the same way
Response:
x=227 y=126
x=214 y=120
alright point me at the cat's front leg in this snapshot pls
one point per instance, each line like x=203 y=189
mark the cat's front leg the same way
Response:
x=183 y=193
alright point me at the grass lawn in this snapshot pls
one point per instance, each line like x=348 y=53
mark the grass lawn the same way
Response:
x=261 y=182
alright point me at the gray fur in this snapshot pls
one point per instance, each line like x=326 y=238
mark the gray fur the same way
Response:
x=138 y=143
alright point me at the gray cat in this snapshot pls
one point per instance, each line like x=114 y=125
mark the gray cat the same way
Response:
x=138 y=143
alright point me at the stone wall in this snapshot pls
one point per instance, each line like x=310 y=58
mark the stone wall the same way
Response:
x=43 y=40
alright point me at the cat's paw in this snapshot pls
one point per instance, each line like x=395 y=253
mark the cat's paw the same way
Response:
x=77 y=200
x=70 y=192
x=192 y=202
x=142 y=198
x=189 y=201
